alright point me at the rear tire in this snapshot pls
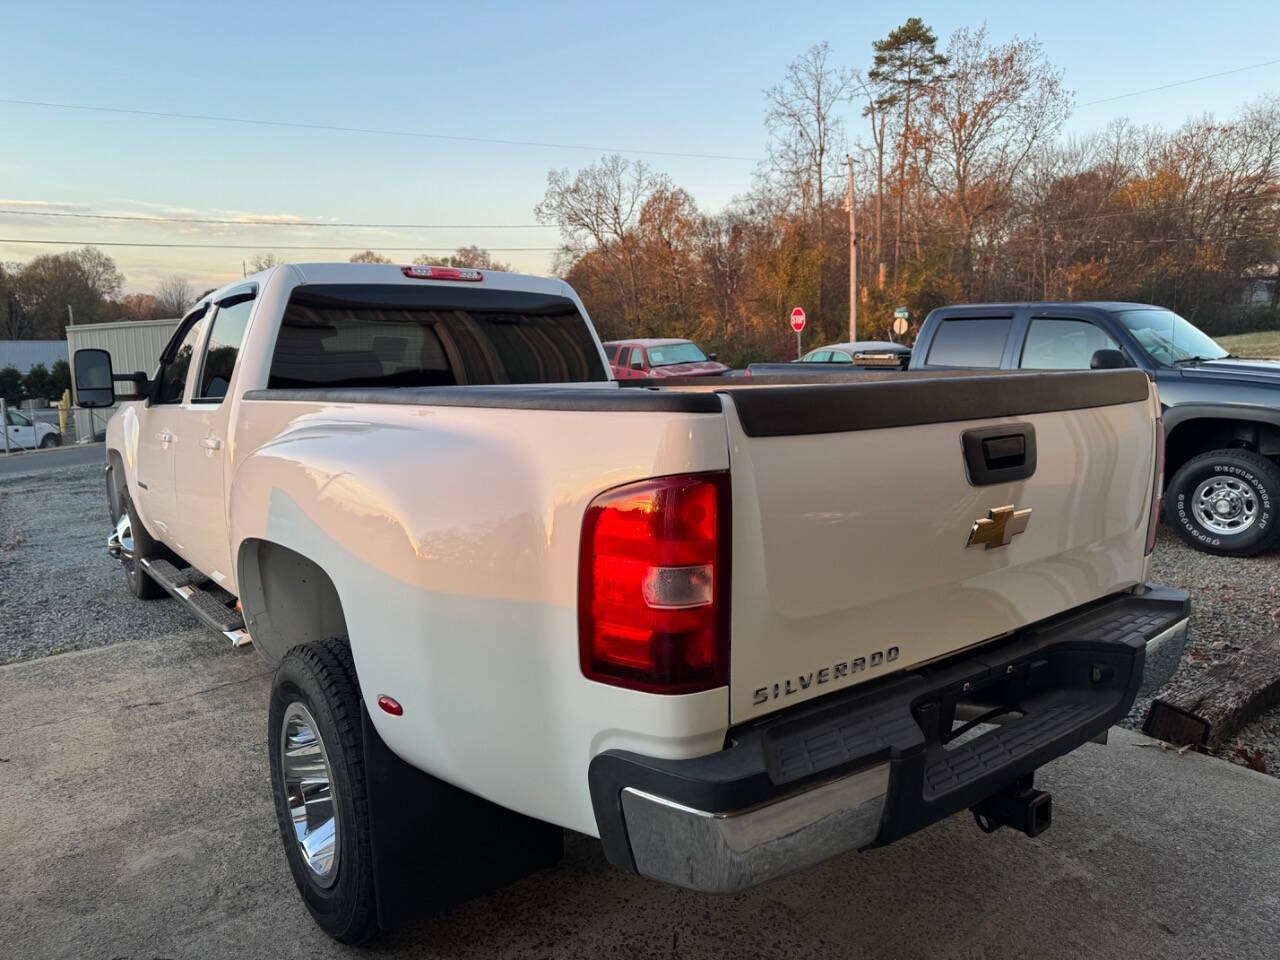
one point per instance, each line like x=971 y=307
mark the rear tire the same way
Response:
x=144 y=548
x=315 y=706
x=1226 y=502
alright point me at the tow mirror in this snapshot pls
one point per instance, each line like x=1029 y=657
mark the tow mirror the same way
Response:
x=711 y=357
x=94 y=379
x=1108 y=360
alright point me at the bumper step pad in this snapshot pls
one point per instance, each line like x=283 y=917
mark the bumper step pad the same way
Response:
x=948 y=735
x=213 y=605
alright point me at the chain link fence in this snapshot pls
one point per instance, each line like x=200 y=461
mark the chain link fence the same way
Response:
x=39 y=427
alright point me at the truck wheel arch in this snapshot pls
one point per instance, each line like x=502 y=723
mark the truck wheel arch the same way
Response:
x=287 y=598
x=1193 y=431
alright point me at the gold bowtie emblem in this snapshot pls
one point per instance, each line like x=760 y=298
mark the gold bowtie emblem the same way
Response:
x=1000 y=526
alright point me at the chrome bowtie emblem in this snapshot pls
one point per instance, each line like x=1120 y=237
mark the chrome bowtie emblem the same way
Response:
x=1000 y=526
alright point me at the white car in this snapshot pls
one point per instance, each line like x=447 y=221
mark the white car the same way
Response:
x=24 y=433
x=729 y=629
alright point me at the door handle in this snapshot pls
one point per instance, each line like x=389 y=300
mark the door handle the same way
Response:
x=211 y=443
x=165 y=437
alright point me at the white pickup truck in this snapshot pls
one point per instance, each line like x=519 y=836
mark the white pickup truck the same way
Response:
x=730 y=627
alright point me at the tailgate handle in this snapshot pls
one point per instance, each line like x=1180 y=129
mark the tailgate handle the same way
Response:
x=999 y=454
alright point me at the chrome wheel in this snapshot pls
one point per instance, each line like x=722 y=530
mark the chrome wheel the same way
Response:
x=1225 y=505
x=120 y=541
x=310 y=793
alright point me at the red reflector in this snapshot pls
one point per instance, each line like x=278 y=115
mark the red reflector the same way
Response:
x=391 y=705
x=653 y=587
x=442 y=273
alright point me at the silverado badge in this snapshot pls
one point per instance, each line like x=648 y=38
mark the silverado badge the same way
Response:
x=1000 y=526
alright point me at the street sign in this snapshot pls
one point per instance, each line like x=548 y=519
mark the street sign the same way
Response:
x=797 y=319
x=900 y=316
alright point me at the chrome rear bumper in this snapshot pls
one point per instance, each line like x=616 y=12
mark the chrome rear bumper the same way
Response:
x=728 y=852
x=1164 y=653
x=813 y=782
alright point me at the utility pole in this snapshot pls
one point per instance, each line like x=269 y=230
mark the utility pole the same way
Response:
x=71 y=317
x=853 y=255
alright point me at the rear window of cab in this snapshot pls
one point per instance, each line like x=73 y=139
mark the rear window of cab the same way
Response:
x=393 y=335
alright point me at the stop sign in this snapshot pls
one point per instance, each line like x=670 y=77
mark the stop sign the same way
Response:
x=797 y=319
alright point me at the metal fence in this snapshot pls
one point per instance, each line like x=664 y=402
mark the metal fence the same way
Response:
x=21 y=429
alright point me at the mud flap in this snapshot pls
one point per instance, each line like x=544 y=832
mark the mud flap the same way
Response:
x=435 y=846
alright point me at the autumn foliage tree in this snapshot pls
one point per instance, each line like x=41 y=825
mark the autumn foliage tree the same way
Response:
x=989 y=202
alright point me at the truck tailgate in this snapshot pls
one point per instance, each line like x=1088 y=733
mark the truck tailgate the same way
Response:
x=853 y=506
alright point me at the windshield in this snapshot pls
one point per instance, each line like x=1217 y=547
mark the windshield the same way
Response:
x=1169 y=338
x=670 y=353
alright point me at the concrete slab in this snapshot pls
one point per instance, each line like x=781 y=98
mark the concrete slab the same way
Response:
x=135 y=821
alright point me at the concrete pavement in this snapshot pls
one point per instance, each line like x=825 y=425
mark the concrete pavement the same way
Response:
x=135 y=821
x=33 y=461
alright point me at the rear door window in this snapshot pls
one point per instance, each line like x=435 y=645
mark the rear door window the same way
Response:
x=1061 y=343
x=401 y=335
x=969 y=342
x=818 y=356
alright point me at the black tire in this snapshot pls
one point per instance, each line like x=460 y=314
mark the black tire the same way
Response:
x=1254 y=477
x=322 y=678
x=50 y=440
x=144 y=548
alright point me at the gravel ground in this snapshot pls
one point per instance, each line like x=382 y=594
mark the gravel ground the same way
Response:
x=1232 y=600
x=61 y=591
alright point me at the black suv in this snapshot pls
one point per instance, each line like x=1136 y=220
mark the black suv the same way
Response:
x=1221 y=413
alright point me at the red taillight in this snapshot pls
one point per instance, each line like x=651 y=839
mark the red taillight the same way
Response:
x=1157 y=486
x=442 y=273
x=653 y=585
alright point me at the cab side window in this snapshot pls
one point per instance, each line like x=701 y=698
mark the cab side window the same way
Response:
x=637 y=358
x=173 y=375
x=222 y=349
x=969 y=342
x=1063 y=344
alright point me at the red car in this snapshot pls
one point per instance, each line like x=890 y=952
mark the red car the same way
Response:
x=638 y=359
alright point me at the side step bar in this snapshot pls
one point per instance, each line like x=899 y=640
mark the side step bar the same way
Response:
x=204 y=598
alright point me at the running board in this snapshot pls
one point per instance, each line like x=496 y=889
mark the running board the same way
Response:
x=213 y=605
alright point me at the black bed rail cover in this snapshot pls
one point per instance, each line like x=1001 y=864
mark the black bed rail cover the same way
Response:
x=872 y=402
x=602 y=398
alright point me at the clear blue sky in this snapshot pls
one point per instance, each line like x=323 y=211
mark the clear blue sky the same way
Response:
x=679 y=77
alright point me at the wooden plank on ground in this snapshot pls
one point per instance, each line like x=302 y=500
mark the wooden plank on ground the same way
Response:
x=1223 y=698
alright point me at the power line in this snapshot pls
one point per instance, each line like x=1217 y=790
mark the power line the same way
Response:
x=1180 y=83
x=262 y=246
x=275 y=223
x=335 y=128
x=138 y=218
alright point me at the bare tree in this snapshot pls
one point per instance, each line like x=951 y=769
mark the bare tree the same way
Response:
x=806 y=130
x=263 y=261
x=599 y=208
x=368 y=256
x=994 y=110
x=173 y=296
x=475 y=257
